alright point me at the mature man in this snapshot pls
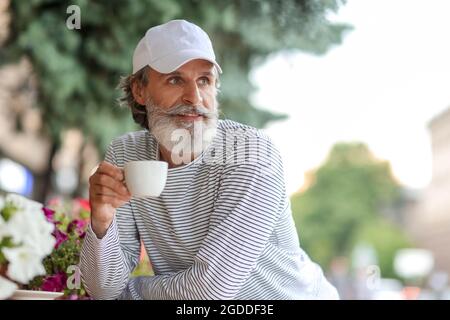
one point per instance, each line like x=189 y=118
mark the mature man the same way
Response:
x=222 y=228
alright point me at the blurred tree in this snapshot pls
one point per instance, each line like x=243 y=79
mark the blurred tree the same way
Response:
x=386 y=238
x=79 y=69
x=344 y=203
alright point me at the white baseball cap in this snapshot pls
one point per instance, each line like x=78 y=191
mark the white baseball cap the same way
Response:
x=167 y=47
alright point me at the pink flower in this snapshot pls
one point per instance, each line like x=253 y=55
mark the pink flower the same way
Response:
x=60 y=237
x=49 y=214
x=84 y=204
x=55 y=202
x=56 y=282
x=78 y=226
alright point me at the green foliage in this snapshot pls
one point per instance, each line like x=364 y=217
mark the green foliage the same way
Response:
x=143 y=268
x=386 y=240
x=79 y=69
x=68 y=254
x=6 y=242
x=344 y=204
x=6 y=213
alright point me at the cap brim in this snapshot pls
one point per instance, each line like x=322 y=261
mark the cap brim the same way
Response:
x=172 y=62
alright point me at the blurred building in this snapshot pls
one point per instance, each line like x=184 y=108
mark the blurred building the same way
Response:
x=429 y=221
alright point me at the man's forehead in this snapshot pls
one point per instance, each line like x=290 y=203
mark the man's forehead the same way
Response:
x=198 y=65
x=179 y=73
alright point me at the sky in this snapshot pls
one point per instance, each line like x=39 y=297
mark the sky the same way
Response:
x=381 y=86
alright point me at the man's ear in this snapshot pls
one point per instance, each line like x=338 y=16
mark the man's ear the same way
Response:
x=137 y=91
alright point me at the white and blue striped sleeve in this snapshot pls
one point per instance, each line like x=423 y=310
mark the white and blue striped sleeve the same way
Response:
x=250 y=200
x=106 y=263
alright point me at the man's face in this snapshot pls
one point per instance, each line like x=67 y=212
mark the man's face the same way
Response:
x=182 y=103
x=192 y=84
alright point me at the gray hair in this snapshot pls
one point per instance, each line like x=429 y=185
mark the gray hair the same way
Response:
x=138 y=111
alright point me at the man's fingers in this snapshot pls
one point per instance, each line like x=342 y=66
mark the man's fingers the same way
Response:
x=106 y=186
x=105 y=190
x=103 y=180
x=113 y=200
x=111 y=170
x=99 y=191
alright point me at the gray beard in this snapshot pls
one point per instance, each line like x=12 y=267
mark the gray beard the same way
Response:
x=183 y=139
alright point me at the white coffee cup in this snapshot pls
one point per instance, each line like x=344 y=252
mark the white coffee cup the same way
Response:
x=145 y=178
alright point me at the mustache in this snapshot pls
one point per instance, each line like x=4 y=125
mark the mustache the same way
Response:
x=182 y=109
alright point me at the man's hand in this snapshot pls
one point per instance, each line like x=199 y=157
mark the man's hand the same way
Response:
x=107 y=191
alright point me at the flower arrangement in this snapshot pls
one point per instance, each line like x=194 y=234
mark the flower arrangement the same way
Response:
x=70 y=220
x=40 y=246
x=25 y=240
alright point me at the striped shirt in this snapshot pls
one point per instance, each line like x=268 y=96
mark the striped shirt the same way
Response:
x=221 y=229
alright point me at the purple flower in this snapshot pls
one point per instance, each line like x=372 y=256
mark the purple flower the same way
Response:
x=77 y=226
x=60 y=237
x=56 y=282
x=49 y=214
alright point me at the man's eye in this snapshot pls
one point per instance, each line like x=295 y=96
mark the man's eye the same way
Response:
x=204 y=81
x=174 y=80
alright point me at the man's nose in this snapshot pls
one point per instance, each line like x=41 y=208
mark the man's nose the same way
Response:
x=191 y=95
